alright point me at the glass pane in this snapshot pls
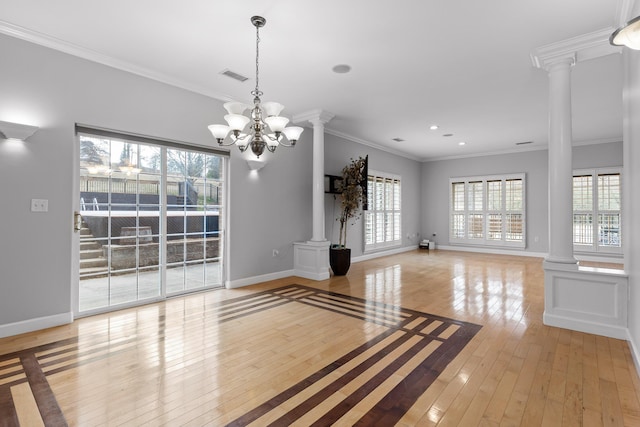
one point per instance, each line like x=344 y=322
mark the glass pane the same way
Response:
x=458 y=196
x=458 y=226
x=150 y=159
x=176 y=163
x=609 y=192
x=514 y=194
x=474 y=193
x=582 y=193
x=609 y=230
x=379 y=227
x=368 y=228
x=494 y=226
x=388 y=235
x=494 y=195
x=397 y=234
x=396 y=195
x=513 y=228
x=476 y=226
x=214 y=167
x=175 y=278
x=583 y=229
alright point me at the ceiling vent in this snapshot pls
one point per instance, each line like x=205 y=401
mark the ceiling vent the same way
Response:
x=524 y=143
x=398 y=139
x=234 y=75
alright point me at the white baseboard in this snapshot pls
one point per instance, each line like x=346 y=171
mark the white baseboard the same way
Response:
x=611 y=331
x=490 y=250
x=232 y=284
x=635 y=352
x=31 y=325
x=373 y=255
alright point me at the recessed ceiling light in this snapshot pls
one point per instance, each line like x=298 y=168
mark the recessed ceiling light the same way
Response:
x=341 y=68
x=462 y=143
x=398 y=139
x=524 y=142
x=448 y=134
x=434 y=127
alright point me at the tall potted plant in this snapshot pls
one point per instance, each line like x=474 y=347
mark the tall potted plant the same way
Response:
x=352 y=196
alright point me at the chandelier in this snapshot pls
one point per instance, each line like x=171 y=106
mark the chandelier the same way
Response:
x=262 y=115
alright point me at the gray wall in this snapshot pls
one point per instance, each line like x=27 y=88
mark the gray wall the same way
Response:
x=435 y=186
x=54 y=91
x=338 y=153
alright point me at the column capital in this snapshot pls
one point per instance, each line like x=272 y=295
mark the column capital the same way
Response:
x=314 y=117
x=576 y=49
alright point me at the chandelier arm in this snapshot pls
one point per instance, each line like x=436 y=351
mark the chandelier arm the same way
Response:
x=289 y=145
x=221 y=142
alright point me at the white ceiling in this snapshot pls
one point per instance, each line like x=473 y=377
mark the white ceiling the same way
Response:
x=461 y=64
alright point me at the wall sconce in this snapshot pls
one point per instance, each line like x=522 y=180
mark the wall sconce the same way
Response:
x=255 y=165
x=17 y=131
x=629 y=35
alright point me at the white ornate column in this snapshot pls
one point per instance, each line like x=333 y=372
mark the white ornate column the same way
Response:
x=311 y=258
x=578 y=298
x=560 y=167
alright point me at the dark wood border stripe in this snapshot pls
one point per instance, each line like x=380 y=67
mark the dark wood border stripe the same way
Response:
x=47 y=405
x=261 y=410
x=8 y=415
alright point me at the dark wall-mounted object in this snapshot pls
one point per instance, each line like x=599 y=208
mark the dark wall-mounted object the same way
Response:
x=332 y=184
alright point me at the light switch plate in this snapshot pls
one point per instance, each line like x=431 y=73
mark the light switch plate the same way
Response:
x=39 y=205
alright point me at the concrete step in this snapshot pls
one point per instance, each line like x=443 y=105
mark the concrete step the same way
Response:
x=88 y=245
x=93 y=262
x=91 y=253
x=85 y=231
x=93 y=271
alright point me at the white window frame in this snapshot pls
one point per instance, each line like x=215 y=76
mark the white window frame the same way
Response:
x=464 y=236
x=595 y=211
x=372 y=215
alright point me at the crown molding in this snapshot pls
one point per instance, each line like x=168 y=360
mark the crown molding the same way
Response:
x=54 y=43
x=322 y=116
x=521 y=150
x=370 y=144
x=580 y=48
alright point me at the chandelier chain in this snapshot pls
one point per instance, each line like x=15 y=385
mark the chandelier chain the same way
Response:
x=257 y=91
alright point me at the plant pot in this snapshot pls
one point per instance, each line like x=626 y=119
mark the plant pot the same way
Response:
x=340 y=261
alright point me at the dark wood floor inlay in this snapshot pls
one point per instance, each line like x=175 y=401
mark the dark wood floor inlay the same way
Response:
x=403 y=361
x=447 y=338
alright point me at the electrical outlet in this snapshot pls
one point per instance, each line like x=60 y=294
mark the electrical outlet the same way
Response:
x=39 y=205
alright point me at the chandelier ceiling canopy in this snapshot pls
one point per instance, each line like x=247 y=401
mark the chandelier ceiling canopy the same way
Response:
x=267 y=129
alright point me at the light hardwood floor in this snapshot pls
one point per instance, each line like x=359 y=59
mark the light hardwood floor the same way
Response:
x=281 y=352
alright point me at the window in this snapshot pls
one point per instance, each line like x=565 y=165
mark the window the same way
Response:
x=596 y=210
x=488 y=210
x=383 y=218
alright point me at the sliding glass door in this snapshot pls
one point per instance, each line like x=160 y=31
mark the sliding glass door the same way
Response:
x=151 y=220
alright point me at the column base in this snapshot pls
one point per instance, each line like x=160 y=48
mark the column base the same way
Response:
x=585 y=299
x=311 y=259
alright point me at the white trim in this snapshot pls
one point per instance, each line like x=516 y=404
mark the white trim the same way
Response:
x=491 y=250
x=610 y=331
x=36 y=324
x=91 y=55
x=378 y=254
x=635 y=351
x=247 y=281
